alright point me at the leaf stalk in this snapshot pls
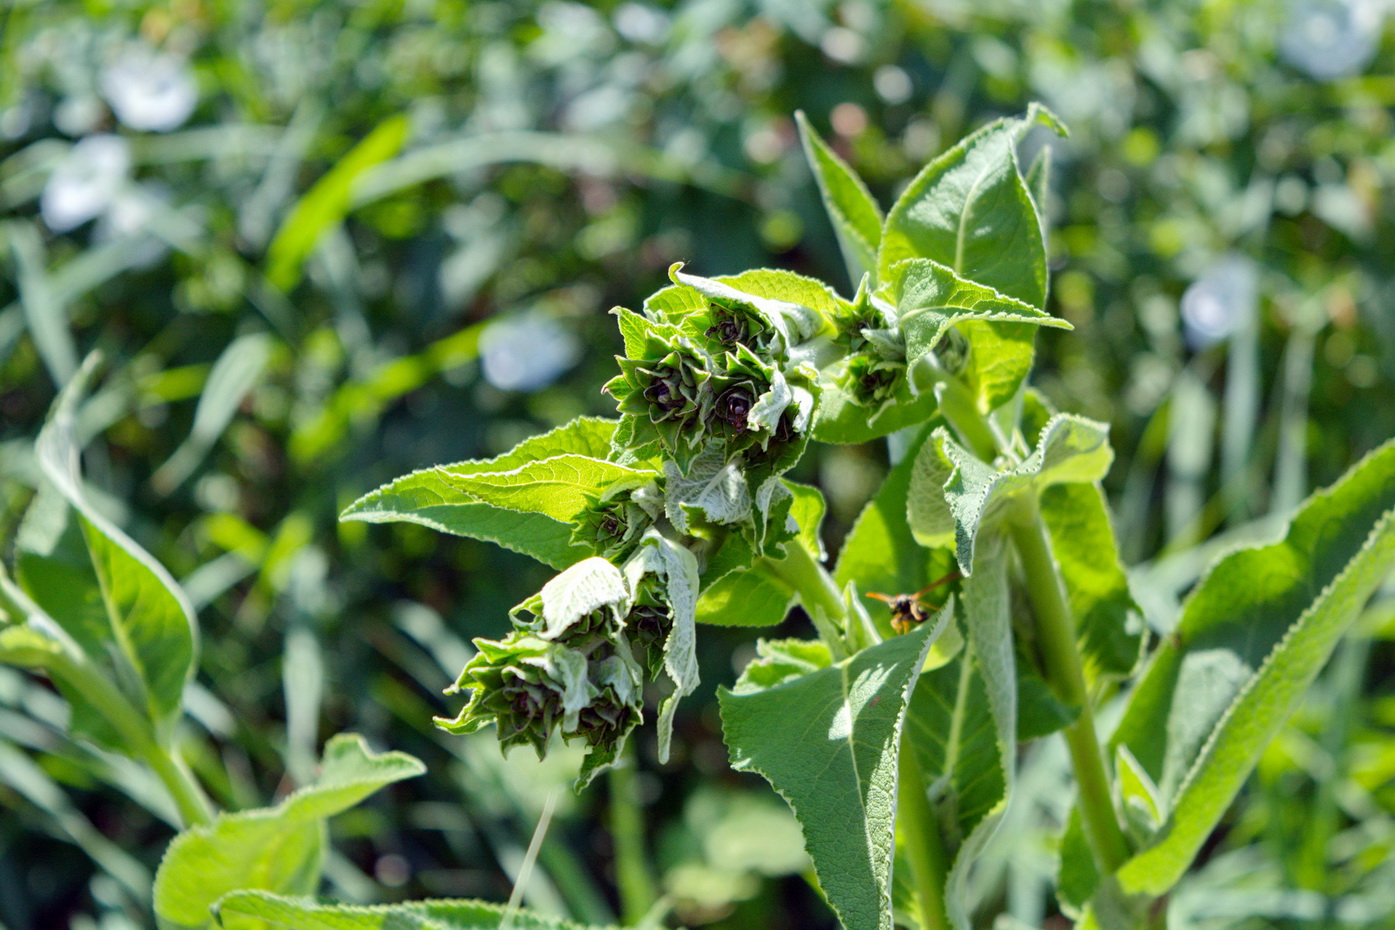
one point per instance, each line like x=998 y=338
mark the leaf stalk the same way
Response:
x=191 y=804
x=819 y=594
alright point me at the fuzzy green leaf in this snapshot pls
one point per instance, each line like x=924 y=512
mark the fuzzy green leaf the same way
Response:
x=931 y=300
x=857 y=220
x=750 y=597
x=988 y=625
x=927 y=514
x=950 y=727
x=788 y=286
x=1253 y=635
x=1071 y=449
x=780 y=660
x=747 y=594
x=583 y=588
x=793 y=320
x=279 y=849
x=560 y=487
x=426 y=498
x=711 y=488
x=1108 y=622
x=754 y=594
x=828 y=742
x=678 y=568
x=969 y=209
x=879 y=552
x=258 y=910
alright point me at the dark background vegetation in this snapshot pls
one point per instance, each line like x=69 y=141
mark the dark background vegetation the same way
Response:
x=291 y=315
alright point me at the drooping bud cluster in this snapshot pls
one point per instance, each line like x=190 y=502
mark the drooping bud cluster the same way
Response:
x=578 y=656
x=612 y=526
x=649 y=623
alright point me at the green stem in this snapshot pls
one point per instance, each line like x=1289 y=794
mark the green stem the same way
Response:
x=818 y=593
x=137 y=735
x=921 y=838
x=1061 y=655
x=637 y=890
x=958 y=407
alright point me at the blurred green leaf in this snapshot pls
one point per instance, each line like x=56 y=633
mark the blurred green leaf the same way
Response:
x=328 y=201
x=256 y=910
x=360 y=401
x=134 y=622
x=857 y=220
x=236 y=372
x=27 y=777
x=279 y=849
x=44 y=312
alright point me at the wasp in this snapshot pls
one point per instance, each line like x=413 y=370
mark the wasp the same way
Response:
x=906 y=609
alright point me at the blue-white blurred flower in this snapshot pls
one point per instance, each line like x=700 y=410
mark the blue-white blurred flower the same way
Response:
x=1332 y=38
x=526 y=351
x=640 y=24
x=86 y=182
x=129 y=215
x=149 y=89
x=1220 y=302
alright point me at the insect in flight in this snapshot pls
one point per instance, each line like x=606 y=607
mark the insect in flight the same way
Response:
x=906 y=609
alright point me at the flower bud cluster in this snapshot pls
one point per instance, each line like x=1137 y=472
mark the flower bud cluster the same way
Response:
x=611 y=526
x=717 y=393
x=574 y=664
x=874 y=363
x=712 y=365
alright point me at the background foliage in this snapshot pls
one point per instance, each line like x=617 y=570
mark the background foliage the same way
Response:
x=320 y=245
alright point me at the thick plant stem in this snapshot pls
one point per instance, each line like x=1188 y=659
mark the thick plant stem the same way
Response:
x=138 y=736
x=921 y=836
x=1056 y=637
x=959 y=409
x=636 y=883
x=818 y=593
x=173 y=771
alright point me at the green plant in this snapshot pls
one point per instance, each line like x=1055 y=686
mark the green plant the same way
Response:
x=893 y=735
x=906 y=731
